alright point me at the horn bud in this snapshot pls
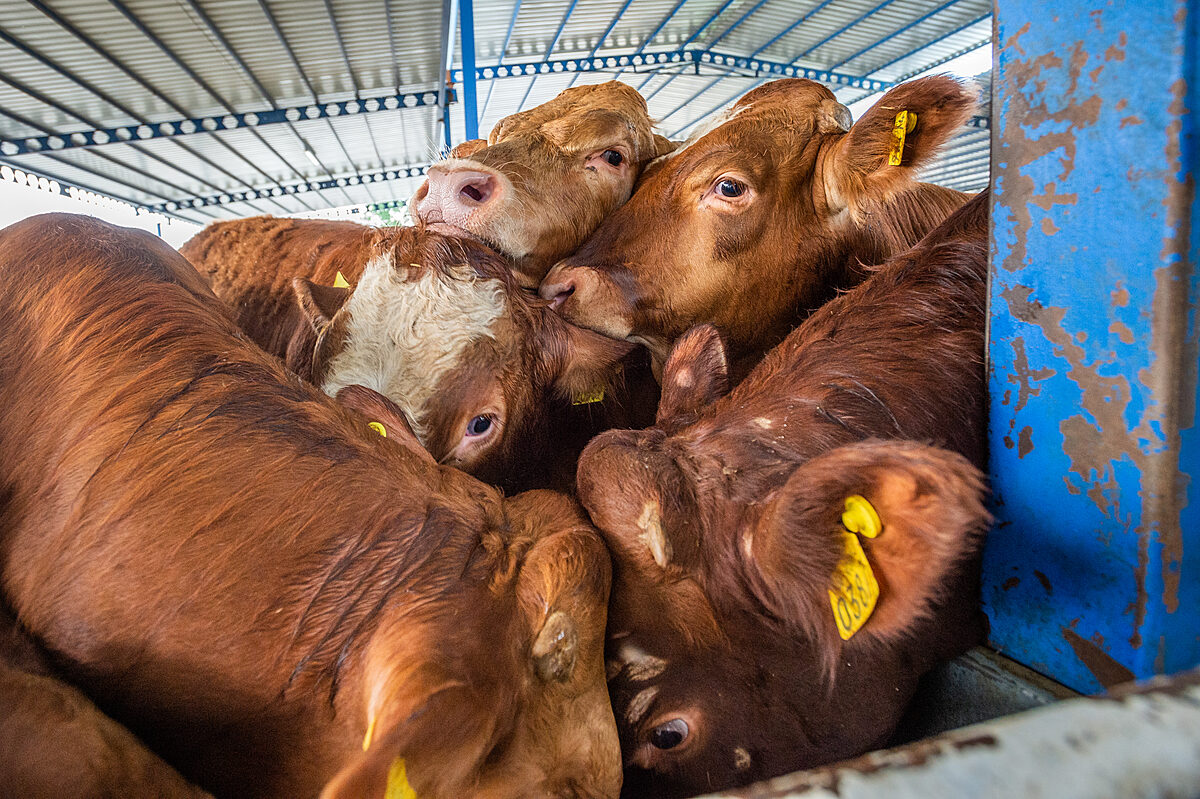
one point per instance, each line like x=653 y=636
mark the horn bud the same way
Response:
x=834 y=117
x=653 y=535
x=555 y=649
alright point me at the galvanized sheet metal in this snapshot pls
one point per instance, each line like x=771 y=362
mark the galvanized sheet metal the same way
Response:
x=1092 y=574
x=348 y=146
x=1144 y=744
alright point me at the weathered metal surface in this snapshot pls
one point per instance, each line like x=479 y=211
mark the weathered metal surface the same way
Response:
x=1092 y=574
x=978 y=686
x=1142 y=744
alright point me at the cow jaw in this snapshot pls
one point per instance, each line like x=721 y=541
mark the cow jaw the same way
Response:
x=403 y=335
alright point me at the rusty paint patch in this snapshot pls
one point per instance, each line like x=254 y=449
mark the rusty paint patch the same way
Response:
x=1121 y=331
x=1132 y=119
x=1045 y=581
x=1010 y=583
x=1025 y=441
x=1107 y=671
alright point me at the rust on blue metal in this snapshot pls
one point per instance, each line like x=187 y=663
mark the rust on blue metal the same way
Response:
x=1092 y=573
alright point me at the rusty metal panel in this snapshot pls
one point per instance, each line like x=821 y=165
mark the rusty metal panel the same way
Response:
x=1092 y=574
x=1142 y=743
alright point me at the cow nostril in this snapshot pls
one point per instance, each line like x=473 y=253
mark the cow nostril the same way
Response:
x=478 y=191
x=560 y=296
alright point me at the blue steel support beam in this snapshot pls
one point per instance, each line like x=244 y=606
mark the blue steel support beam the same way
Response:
x=466 y=32
x=709 y=45
x=226 y=198
x=658 y=29
x=98 y=137
x=65 y=186
x=512 y=24
x=549 y=50
x=1092 y=573
x=337 y=37
x=603 y=36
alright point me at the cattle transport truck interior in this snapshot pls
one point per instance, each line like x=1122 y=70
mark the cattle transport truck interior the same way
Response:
x=1091 y=568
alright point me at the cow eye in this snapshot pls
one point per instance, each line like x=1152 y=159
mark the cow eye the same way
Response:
x=479 y=425
x=731 y=188
x=613 y=157
x=669 y=734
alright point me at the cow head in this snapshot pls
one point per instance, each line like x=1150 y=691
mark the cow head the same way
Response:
x=725 y=662
x=762 y=216
x=517 y=705
x=438 y=325
x=547 y=176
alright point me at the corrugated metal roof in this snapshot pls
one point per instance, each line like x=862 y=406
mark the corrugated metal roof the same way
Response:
x=71 y=66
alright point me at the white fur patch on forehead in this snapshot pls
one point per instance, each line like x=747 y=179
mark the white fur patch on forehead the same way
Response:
x=403 y=336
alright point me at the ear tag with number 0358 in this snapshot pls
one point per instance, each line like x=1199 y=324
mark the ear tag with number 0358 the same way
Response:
x=853 y=589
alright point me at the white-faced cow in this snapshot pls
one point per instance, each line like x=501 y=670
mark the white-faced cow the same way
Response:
x=490 y=378
x=790 y=557
x=762 y=218
x=281 y=600
x=547 y=177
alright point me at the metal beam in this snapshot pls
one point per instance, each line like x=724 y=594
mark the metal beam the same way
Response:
x=658 y=29
x=709 y=46
x=65 y=185
x=98 y=137
x=227 y=198
x=387 y=14
x=512 y=24
x=466 y=33
x=897 y=32
x=549 y=50
x=287 y=48
x=337 y=37
x=444 y=73
x=60 y=70
x=603 y=36
x=191 y=73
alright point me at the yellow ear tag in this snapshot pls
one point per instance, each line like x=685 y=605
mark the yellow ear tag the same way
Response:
x=860 y=517
x=370 y=734
x=853 y=589
x=588 y=397
x=397 y=782
x=905 y=122
x=378 y=428
x=340 y=281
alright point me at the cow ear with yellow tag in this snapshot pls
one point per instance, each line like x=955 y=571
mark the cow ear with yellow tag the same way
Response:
x=584 y=363
x=319 y=303
x=862 y=539
x=383 y=418
x=900 y=133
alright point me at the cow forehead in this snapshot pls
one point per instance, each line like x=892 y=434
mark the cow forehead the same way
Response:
x=760 y=133
x=404 y=335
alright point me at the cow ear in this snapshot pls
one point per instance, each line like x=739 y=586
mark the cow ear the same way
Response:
x=318 y=303
x=918 y=514
x=436 y=749
x=585 y=362
x=696 y=374
x=384 y=417
x=468 y=148
x=864 y=161
x=662 y=146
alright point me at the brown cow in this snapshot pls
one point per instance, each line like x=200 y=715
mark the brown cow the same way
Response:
x=486 y=373
x=254 y=580
x=55 y=743
x=726 y=663
x=547 y=177
x=763 y=217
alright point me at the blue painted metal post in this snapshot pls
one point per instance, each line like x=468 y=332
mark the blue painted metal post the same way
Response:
x=1092 y=574
x=466 y=28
